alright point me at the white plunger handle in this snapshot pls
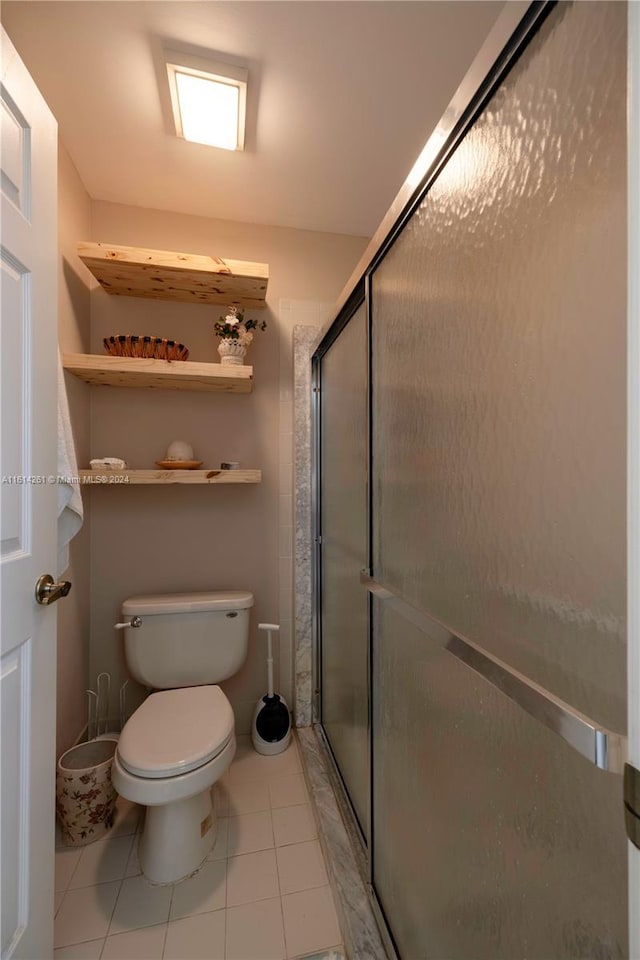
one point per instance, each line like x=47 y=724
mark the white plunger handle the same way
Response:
x=269 y=627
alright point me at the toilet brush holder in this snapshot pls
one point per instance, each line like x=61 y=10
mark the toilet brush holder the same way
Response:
x=271 y=727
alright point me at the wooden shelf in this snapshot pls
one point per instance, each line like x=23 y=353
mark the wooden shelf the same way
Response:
x=159 y=374
x=124 y=478
x=182 y=277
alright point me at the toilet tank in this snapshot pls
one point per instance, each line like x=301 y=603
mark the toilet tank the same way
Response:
x=187 y=639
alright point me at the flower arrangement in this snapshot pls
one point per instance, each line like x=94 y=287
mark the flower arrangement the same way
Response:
x=235 y=327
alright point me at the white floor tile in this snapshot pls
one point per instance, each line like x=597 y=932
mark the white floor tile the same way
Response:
x=301 y=867
x=248 y=796
x=310 y=921
x=255 y=931
x=293 y=824
x=250 y=832
x=285 y=763
x=58 y=897
x=219 y=851
x=102 y=861
x=287 y=791
x=85 y=914
x=196 y=938
x=144 y=944
x=249 y=765
x=127 y=818
x=201 y=893
x=66 y=861
x=80 y=951
x=266 y=867
x=251 y=877
x=140 y=904
x=133 y=864
x=243 y=745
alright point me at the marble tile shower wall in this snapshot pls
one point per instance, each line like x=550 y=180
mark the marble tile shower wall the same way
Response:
x=302 y=320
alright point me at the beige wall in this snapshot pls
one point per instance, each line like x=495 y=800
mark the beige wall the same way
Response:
x=156 y=539
x=74 y=302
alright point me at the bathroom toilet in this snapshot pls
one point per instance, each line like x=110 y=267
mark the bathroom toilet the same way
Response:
x=181 y=740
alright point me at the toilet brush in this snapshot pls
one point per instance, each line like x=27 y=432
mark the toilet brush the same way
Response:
x=271 y=728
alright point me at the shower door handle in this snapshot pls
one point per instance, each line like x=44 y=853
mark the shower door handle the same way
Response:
x=602 y=747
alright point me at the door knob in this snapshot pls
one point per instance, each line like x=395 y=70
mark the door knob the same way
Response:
x=48 y=591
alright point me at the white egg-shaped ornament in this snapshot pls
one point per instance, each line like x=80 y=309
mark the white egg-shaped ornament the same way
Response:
x=180 y=450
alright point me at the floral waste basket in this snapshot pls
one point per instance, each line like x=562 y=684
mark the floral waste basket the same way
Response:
x=85 y=796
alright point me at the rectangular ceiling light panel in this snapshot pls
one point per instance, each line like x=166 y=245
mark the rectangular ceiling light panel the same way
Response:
x=209 y=105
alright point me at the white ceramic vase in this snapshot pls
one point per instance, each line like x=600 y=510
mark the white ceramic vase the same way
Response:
x=232 y=351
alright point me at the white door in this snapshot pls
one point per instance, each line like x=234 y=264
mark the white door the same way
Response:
x=634 y=452
x=28 y=344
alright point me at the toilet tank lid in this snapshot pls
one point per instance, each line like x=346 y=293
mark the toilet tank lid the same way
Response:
x=187 y=602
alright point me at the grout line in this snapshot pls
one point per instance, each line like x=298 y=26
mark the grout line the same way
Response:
x=73 y=872
x=115 y=904
x=275 y=854
x=173 y=890
x=166 y=930
x=225 y=927
x=284 y=926
x=273 y=832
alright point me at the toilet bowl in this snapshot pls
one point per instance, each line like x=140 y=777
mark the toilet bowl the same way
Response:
x=181 y=740
x=171 y=752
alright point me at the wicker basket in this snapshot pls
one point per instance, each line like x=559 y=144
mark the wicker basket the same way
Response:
x=150 y=348
x=85 y=796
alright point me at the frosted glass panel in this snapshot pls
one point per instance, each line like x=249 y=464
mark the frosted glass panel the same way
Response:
x=492 y=839
x=344 y=543
x=498 y=378
x=499 y=374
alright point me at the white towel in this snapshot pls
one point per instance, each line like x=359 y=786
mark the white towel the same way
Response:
x=69 y=498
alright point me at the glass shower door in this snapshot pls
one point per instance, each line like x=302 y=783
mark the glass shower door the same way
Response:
x=343 y=499
x=498 y=482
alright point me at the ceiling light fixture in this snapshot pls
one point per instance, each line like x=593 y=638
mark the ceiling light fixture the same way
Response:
x=208 y=100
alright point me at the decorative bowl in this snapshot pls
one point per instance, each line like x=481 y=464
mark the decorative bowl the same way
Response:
x=147 y=348
x=178 y=464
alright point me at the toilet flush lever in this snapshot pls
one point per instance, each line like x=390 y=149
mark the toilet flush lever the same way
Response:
x=134 y=622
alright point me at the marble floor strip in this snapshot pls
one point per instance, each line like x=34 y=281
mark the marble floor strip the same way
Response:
x=361 y=935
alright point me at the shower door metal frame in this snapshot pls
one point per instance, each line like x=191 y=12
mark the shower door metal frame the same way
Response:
x=633 y=455
x=358 y=298
x=508 y=39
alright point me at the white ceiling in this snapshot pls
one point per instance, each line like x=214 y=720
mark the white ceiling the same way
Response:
x=342 y=97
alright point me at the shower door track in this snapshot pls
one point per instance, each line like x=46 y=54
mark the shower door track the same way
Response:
x=605 y=748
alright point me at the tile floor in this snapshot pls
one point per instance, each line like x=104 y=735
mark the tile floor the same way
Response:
x=262 y=894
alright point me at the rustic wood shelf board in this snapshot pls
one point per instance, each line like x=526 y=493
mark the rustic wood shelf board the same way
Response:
x=182 y=277
x=124 y=478
x=159 y=374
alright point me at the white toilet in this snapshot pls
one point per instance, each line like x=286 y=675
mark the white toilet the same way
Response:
x=181 y=739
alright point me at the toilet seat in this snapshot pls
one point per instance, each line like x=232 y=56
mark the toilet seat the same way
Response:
x=176 y=731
